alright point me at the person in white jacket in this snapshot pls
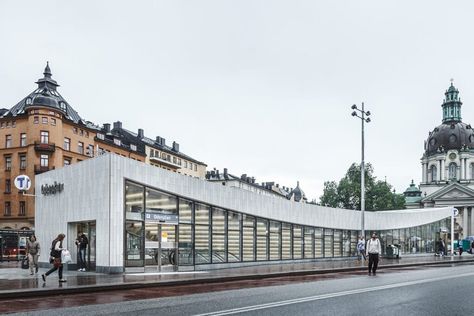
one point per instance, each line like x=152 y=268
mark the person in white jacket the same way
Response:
x=373 y=249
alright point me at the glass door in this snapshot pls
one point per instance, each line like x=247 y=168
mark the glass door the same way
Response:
x=160 y=246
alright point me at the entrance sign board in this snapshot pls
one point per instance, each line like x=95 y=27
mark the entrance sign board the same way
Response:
x=22 y=182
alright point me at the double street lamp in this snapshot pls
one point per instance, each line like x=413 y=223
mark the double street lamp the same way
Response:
x=361 y=113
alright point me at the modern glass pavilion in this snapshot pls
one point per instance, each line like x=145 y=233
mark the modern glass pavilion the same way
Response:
x=139 y=216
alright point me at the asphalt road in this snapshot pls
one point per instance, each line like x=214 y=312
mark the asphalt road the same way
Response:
x=440 y=290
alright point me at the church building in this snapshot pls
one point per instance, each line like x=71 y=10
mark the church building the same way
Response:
x=448 y=167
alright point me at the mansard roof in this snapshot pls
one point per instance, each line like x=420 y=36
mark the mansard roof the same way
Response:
x=45 y=95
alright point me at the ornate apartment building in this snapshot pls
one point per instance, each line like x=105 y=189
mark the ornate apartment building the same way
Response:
x=43 y=132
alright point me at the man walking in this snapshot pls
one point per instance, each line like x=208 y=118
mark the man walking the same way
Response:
x=373 y=250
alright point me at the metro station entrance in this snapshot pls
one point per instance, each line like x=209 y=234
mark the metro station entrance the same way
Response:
x=160 y=247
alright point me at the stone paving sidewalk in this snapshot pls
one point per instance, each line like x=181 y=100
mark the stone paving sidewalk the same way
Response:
x=17 y=282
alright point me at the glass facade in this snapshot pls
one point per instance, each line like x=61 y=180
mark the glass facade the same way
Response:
x=210 y=235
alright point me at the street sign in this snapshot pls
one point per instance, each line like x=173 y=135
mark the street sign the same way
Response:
x=455 y=212
x=22 y=182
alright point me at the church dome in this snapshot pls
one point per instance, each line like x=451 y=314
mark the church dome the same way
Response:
x=452 y=133
x=456 y=135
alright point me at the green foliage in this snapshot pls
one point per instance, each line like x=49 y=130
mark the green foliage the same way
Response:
x=379 y=195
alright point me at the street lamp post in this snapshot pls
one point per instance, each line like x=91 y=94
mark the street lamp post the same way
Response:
x=362 y=115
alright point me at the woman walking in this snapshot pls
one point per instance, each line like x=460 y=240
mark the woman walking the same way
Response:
x=33 y=251
x=56 y=249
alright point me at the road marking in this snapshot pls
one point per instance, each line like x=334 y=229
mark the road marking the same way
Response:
x=329 y=295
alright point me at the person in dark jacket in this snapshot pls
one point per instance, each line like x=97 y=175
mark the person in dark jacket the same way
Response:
x=81 y=243
x=56 y=249
x=441 y=247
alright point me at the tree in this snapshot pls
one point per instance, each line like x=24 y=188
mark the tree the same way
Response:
x=379 y=195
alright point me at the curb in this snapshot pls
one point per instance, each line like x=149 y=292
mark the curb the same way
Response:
x=210 y=280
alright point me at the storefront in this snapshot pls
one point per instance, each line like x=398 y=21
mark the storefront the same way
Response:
x=142 y=218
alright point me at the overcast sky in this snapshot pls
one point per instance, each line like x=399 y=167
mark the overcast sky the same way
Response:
x=259 y=87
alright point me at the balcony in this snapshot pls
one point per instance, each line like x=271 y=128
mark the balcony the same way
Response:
x=40 y=169
x=166 y=162
x=45 y=147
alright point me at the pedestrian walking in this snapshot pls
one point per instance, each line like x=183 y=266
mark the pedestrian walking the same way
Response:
x=81 y=243
x=460 y=247
x=56 y=249
x=373 y=250
x=361 y=249
x=33 y=252
x=441 y=247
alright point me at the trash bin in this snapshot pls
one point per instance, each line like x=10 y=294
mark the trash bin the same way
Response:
x=392 y=252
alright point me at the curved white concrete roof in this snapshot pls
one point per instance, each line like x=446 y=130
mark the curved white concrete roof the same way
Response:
x=78 y=178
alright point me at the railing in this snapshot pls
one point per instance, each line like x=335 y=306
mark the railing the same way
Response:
x=41 y=169
x=39 y=146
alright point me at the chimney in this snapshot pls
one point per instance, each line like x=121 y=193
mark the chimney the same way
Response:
x=141 y=134
x=106 y=127
x=226 y=175
x=175 y=146
x=253 y=180
x=243 y=177
x=158 y=140
x=117 y=125
x=163 y=141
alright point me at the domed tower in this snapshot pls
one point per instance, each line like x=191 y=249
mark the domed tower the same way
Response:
x=449 y=149
x=297 y=194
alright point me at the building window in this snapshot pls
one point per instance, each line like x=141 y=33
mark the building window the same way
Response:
x=453 y=171
x=22 y=211
x=175 y=161
x=101 y=136
x=133 y=147
x=22 y=139
x=90 y=150
x=13 y=123
x=117 y=142
x=434 y=174
x=44 y=161
x=8 y=209
x=67 y=143
x=74 y=130
x=80 y=148
x=8 y=141
x=44 y=120
x=185 y=164
x=23 y=162
x=44 y=137
x=53 y=121
x=2 y=125
x=67 y=161
x=191 y=165
x=195 y=167
x=8 y=163
x=87 y=134
x=8 y=186
x=36 y=120
x=81 y=132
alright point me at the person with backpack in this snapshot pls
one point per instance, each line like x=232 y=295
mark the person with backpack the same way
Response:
x=361 y=249
x=56 y=249
x=373 y=250
x=33 y=251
